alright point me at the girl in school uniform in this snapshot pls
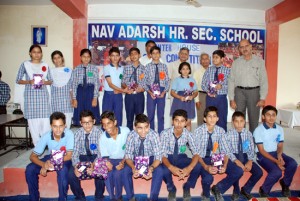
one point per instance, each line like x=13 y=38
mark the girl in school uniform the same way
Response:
x=34 y=74
x=85 y=87
x=61 y=96
x=184 y=90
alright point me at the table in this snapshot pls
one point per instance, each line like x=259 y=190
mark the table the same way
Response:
x=289 y=116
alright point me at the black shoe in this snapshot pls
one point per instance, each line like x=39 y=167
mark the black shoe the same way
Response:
x=186 y=194
x=285 y=189
x=245 y=194
x=216 y=193
x=235 y=197
x=262 y=193
x=172 y=196
x=204 y=198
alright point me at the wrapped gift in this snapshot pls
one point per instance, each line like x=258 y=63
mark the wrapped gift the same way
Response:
x=217 y=160
x=37 y=81
x=142 y=164
x=212 y=91
x=187 y=93
x=155 y=89
x=100 y=168
x=57 y=159
x=82 y=168
x=133 y=86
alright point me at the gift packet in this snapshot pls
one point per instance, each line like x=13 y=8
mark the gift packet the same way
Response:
x=37 y=81
x=133 y=86
x=142 y=165
x=155 y=89
x=57 y=158
x=217 y=159
x=100 y=168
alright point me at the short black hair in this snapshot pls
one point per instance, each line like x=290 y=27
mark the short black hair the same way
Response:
x=220 y=53
x=0 y=74
x=268 y=108
x=180 y=113
x=114 y=49
x=34 y=46
x=150 y=41
x=141 y=118
x=237 y=114
x=184 y=64
x=154 y=48
x=86 y=113
x=134 y=49
x=57 y=116
x=108 y=115
x=184 y=48
x=83 y=51
x=210 y=109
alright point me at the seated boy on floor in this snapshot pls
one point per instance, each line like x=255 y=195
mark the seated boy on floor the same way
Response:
x=175 y=141
x=112 y=146
x=242 y=143
x=59 y=138
x=86 y=149
x=269 y=138
x=143 y=150
x=209 y=138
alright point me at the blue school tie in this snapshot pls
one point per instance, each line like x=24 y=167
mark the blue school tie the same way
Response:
x=209 y=145
x=175 y=153
x=156 y=79
x=240 y=146
x=84 y=77
x=141 y=148
x=134 y=74
x=216 y=74
x=87 y=144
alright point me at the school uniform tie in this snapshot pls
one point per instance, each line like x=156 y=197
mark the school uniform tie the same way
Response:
x=175 y=153
x=156 y=79
x=240 y=149
x=141 y=149
x=87 y=144
x=134 y=74
x=209 y=146
x=84 y=77
x=216 y=74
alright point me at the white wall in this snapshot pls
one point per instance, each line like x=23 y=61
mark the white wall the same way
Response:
x=15 y=36
x=288 y=93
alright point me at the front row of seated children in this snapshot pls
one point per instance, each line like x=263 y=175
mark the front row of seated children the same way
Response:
x=142 y=153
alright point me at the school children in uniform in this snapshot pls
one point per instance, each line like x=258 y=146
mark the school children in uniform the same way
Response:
x=242 y=143
x=175 y=141
x=217 y=75
x=184 y=90
x=112 y=146
x=143 y=141
x=86 y=149
x=57 y=138
x=269 y=139
x=133 y=79
x=85 y=88
x=113 y=73
x=36 y=97
x=156 y=73
x=208 y=137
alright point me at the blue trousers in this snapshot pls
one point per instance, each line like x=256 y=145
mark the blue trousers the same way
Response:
x=134 y=105
x=234 y=173
x=76 y=186
x=274 y=173
x=32 y=179
x=256 y=174
x=114 y=103
x=114 y=182
x=157 y=177
x=220 y=102
x=151 y=106
x=181 y=162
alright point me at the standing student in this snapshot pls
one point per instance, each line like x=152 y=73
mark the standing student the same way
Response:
x=269 y=138
x=4 y=95
x=61 y=96
x=113 y=98
x=59 y=136
x=36 y=100
x=219 y=74
x=184 y=90
x=112 y=146
x=175 y=141
x=156 y=73
x=85 y=88
x=207 y=136
x=242 y=143
x=143 y=141
x=134 y=98
x=86 y=149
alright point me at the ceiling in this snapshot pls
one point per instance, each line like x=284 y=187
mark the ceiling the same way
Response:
x=242 y=4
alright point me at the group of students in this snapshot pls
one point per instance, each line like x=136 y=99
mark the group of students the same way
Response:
x=167 y=152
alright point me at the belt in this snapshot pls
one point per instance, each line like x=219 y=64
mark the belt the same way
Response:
x=247 y=88
x=203 y=92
